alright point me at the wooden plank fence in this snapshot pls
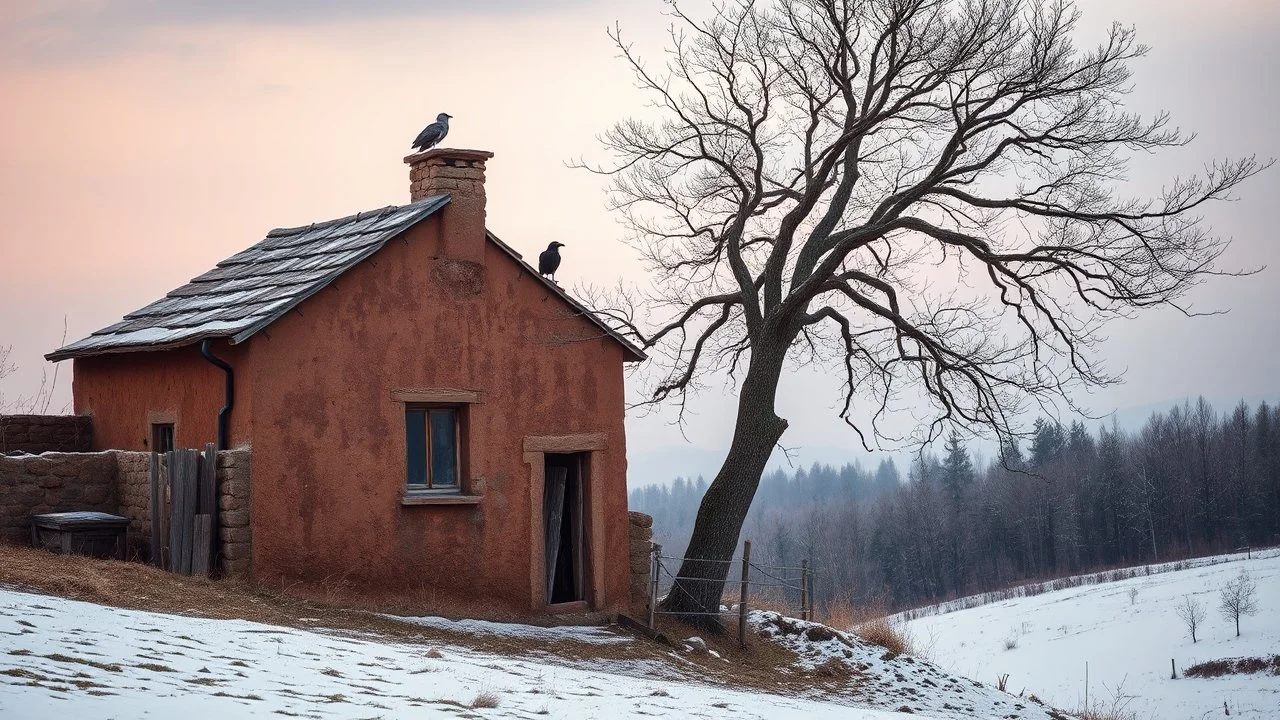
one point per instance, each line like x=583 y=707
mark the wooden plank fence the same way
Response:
x=184 y=511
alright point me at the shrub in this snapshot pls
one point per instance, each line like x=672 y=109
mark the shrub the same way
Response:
x=1192 y=614
x=1235 y=666
x=1116 y=708
x=486 y=699
x=1239 y=597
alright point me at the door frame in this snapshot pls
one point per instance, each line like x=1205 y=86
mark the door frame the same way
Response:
x=536 y=448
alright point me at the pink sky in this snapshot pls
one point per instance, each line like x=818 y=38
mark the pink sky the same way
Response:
x=142 y=142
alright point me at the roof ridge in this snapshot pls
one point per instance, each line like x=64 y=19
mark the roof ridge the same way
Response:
x=359 y=215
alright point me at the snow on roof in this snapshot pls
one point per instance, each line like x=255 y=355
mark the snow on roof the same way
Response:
x=255 y=287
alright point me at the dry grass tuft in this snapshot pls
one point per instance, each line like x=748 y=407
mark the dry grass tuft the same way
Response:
x=486 y=699
x=892 y=636
x=840 y=613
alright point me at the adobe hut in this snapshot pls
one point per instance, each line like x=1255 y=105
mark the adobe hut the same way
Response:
x=425 y=412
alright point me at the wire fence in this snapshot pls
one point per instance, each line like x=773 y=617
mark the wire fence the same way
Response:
x=760 y=585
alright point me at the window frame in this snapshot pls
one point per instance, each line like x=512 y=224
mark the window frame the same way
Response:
x=157 y=432
x=459 y=419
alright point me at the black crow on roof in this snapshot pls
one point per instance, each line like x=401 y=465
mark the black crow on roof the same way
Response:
x=549 y=260
x=433 y=133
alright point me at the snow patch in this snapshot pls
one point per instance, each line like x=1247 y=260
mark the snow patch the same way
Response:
x=579 y=633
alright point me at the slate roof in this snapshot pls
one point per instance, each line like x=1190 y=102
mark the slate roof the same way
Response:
x=255 y=287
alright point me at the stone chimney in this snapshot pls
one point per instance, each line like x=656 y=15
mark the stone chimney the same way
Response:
x=460 y=174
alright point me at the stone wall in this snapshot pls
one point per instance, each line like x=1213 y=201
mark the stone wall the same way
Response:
x=118 y=482
x=233 y=512
x=640 y=528
x=45 y=433
x=133 y=482
x=53 y=482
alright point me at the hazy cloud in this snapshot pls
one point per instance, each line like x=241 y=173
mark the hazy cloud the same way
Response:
x=68 y=31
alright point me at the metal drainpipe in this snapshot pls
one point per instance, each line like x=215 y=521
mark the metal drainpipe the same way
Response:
x=225 y=413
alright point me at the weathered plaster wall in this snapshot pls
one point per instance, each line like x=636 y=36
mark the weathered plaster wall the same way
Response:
x=45 y=433
x=52 y=482
x=126 y=393
x=329 y=440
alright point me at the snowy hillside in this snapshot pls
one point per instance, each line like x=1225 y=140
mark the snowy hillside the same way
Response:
x=1043 y=642
x=65 y=657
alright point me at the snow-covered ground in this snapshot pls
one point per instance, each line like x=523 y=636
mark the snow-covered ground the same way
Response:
x=1131 y=643
x=62 y=657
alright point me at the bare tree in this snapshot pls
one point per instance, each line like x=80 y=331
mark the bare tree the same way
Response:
x=916 y=193
x=1192 y=614
x=1238 y=597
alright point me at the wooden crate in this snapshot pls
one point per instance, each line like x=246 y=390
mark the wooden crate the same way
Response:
x=81 y=533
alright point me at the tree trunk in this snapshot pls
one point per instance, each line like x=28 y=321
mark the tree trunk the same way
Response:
x=695 y=595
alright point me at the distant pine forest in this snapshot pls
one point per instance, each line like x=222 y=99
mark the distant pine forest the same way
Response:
x=1193 y=481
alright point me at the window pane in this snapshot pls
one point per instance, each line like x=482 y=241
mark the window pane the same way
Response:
x=444 y=449
x=415 y=442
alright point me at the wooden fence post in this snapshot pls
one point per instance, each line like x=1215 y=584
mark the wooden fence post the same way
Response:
x=804 y=589
x=742 y=601
x=655 y=566
x=156 y=496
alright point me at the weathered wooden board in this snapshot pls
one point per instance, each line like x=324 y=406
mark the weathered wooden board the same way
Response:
x=553 y=512
x=200 y=542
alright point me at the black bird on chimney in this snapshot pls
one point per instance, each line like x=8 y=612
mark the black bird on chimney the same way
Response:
x=432 y=134
x=549 y=260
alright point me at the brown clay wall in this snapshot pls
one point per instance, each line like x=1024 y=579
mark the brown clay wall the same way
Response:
x=329 y=440
x=126 y=393
x=52 y=482
x=45 y=433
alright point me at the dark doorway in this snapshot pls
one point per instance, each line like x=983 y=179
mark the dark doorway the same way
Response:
x=562 y=515
x=161 y=437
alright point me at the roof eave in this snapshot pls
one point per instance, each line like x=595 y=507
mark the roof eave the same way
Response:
x=630 y=353
x=64 y=354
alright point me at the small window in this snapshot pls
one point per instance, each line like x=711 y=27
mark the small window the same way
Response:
x=433 y=443
x=161 y=437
